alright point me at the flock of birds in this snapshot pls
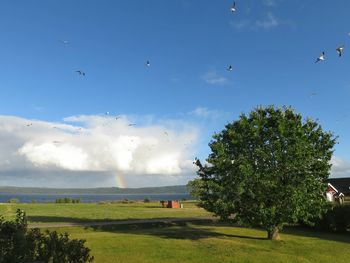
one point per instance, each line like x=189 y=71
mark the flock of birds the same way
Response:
x=148 y=63
x=233 y=9
x=322 y=57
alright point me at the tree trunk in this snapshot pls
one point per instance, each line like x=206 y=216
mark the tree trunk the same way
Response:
x=273 y=233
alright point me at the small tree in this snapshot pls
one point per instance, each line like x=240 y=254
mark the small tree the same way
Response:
x=19 y=244
x=267 y=169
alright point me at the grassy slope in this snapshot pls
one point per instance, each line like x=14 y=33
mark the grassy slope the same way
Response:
x=44 y=213
x=209 y=243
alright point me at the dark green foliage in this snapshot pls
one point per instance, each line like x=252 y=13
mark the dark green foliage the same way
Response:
x=267 y=169
x=13 y=201
x=68 y=200
x=335 y=219
x=125 y=201
x=195 y=187
x=146 y=200
x=19 y=244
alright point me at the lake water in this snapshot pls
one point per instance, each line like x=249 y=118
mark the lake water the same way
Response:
x=90 y=198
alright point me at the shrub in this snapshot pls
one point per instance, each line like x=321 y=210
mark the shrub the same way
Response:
x=335 y=219
x=76 y=200
x=146 y=200
x=125 y=201
x=18 y=244
x=68 y=200
x=13 y=201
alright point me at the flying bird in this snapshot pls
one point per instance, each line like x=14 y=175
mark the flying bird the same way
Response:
x=132 y=124
x=29 y=124
x=148 y=64
x=117 y=118
x=230 y=68
x=233 y=7
x=322 y=57
x=81 y=73
x=340 y=50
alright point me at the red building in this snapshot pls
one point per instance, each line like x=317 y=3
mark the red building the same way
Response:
x=170 y=204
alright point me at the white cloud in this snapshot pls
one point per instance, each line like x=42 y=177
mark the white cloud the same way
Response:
x=63 y=156
x=270 y=2
x=268 y=22
x=203 y=112
x=213 y=78
x=340 y=168
x=241 y=24
x=96 y=144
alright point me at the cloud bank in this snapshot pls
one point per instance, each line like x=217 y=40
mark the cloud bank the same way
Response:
x=96 y=145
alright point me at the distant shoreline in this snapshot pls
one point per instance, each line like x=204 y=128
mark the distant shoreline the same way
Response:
x=177 y=189
x=89 y=198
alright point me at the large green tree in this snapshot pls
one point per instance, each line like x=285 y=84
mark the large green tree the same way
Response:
x=267 y=169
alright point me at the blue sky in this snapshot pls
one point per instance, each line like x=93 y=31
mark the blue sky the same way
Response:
x=271 y=44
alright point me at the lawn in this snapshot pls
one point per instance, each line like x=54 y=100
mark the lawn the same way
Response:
x=209 y=243
x=181 y=242
x=87 y=212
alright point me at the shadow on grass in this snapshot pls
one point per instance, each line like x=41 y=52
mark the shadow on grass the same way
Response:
x=133 y=205
x=176 y=230
x=312 y=233
x=199 y=230
x=192 y=230
x=63 y=219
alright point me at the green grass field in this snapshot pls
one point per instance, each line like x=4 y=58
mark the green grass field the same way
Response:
x=209 y=243
x=85 y=212
x=182 y=242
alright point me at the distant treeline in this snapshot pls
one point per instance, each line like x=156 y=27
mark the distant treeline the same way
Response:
x=65 y=200
x=177 y=189
x=68 y=200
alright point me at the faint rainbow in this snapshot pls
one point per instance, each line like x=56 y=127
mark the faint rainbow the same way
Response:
x=120 y=181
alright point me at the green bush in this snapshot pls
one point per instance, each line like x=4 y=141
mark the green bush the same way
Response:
x=13 y=201
x=125 y=201
x=68 y=200
x=146 y=200
x=335 y=219
x=18 y=244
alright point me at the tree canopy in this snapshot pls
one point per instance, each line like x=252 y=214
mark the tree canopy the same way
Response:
x=267 y=169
